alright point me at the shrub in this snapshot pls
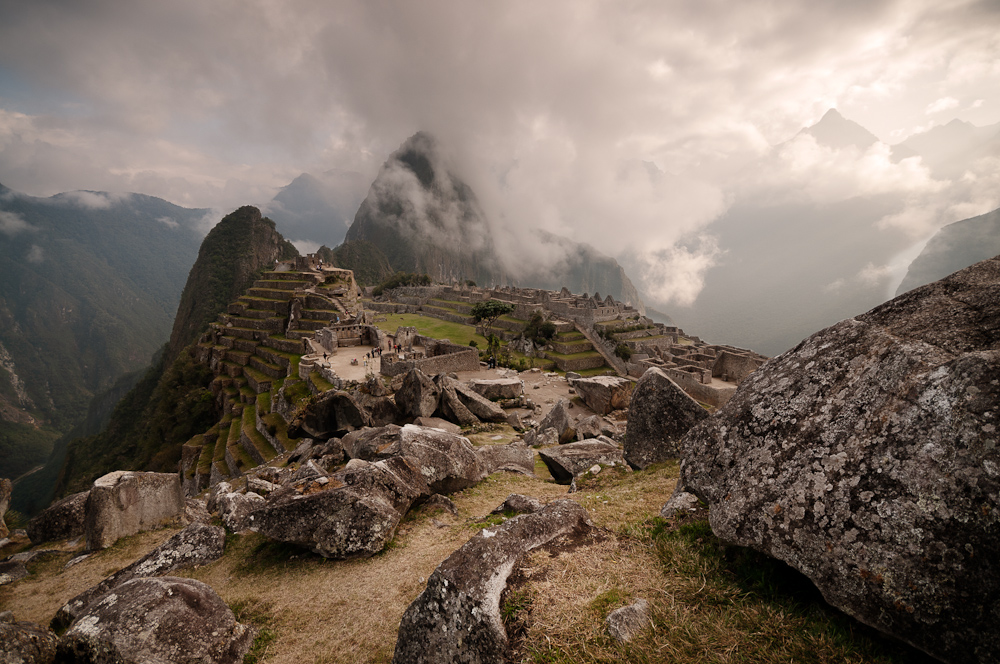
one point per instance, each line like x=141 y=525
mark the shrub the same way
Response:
x=623 y=351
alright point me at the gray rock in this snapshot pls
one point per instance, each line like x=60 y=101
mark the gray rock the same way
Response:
x=437 y=501
x=301 y=451
x=354 y=514
x=866 y=458
x=559 y=419
x=213 y=498
x=196 y=511
x=519 y=504
x=158 y=620
x=570 y=375
x=380 y=410
x=368 y=442
x=237 y=510
x=624 y=623
x=680 y=501
x=457 y=617
x=658 y=417
x=515 y=458
x=332 y=415
x=498 y=388
x=478 y=405
x=26 y=643
x=453 y=409
x=514 y=420
x=594 y=426
x=565 y=462
x=62 y=520
x=437 y=423
x=604 y=394
x=6 y=486
x=419 y=395
x=259 y=486
x=541 y=437
x=124 y=503
x=198 y=544
x=307 y=471
x=448 y=462
x=11 y=571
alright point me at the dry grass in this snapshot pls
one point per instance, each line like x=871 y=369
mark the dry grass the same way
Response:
x=709 y=603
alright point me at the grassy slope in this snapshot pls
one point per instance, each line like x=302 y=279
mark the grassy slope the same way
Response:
x=709 y=603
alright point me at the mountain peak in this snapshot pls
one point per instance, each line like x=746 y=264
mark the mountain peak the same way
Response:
x=835 y=131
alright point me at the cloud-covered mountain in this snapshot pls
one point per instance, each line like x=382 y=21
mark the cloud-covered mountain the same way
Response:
x=89 y=282
x=954 y=247
x=423 y=217
x=824 y=226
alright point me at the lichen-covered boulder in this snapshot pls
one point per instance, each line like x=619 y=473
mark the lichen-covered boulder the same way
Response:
x=159 y=620
x=237 y=509
x=198 y=544
x=448 y=462
x=26 y=643
x=559 y=418
x=567 y=461
x=419 y=395
x=603 y=394
x=333 y=414
x=457 y=617
x=352 y=513
x=498 y=388
x=61 y=520
x=514 y=458
x=124 y=503
x=867 y=459
x=659 y=415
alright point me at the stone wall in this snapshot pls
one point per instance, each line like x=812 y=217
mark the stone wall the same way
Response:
x=124 y=503
x=735 y=367
x=442 y=357
x=713 y=396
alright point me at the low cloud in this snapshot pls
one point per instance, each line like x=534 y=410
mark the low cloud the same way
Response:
x=92 y=200
x=168 y=222
x=942 y=104
x=12 y=223
x=35 y=254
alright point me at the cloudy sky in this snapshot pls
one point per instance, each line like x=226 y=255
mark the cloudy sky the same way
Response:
x=630 y=125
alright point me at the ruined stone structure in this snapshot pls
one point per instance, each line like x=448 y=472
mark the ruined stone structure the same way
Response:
x=431 y=356
x=589 y=329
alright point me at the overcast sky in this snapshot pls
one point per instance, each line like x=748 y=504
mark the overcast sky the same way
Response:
x=636 y=118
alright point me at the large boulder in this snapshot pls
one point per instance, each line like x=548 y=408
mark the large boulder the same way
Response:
x=158 y=620
x=6 y=486
x=478 y=405
x=26 y=643
x=124 y=503
x=452 y=408
x=514 y=458
x=559 y=418
x=448 y=462
x=603 y=394
x=495 y=389
x=658 y=417
x=237 y=509
x=61 y=520
x=567 y=461
x=866 y=458
x=353 y=513
x=333 y=414
x=457 y=617
x=419 y=395
x=198 y=544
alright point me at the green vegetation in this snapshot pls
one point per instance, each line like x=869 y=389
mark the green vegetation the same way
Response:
x=369 y=264
x=624 y=351
x=433 y=327
x=539 y=330
x=401 y=279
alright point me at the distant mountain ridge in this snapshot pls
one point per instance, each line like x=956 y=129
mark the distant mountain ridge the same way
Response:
x=88 y=285
x=953 y=248
x=318 y=208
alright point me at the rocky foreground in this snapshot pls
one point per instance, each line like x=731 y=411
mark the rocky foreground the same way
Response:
x=865 y=458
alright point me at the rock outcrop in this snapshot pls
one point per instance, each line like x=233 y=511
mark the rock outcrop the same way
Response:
x=61 y=520
x=514 y=458
x=334 y=413
x=603 y=394
x=658 y=417
x=457 y=617
x=5 y=488
x=353 y=513
x=866 y=458
x=567 y=461
x=156 y=621
x=495 y=389
x=27 y=643
x=125 y=503
x=419 y=395
x=559 y=418
x=198 y=544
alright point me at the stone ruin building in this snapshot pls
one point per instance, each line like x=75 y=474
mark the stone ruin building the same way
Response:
x=589 y=328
